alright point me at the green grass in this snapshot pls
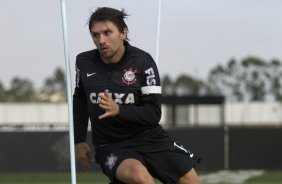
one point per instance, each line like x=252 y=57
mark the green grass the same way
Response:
x=51 y=178
x=270 y=177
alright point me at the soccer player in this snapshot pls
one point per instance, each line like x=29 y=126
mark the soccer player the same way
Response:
x=118 y=88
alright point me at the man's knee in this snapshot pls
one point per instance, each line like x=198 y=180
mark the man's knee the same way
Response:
x=133 y=171
x=140 y=177
x=189 y=178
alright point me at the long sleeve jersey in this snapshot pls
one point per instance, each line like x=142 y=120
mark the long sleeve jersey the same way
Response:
x=133 y=83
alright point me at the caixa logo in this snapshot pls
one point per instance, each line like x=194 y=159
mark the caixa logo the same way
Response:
x=120 y=98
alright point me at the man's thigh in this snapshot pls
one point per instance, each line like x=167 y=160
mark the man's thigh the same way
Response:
x=190 y=177
x=133 y=171
x=110 y=158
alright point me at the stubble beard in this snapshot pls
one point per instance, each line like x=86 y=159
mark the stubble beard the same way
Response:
x=108 y=56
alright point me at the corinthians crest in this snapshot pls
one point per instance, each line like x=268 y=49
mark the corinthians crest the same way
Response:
x=129 y=76
x=111 y=161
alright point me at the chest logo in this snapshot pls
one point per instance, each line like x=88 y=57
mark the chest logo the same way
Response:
x=90 y=74
x=129 y=76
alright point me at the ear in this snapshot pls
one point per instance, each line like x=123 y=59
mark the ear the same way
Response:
x=124 y=34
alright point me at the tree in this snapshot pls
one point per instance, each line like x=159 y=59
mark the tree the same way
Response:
x=187 y=85
x=251 y=79
x=21 y=90
x=256 y=78
x=226 y=81
x=3 y=97
x=167 y=86
x=54 y=88
x=275 y=77
x=56 y=82
x=183 y=85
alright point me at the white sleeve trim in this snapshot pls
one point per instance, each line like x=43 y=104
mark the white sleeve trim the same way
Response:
x=151 y=90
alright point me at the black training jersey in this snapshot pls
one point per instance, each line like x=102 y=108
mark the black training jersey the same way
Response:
x=133 y=83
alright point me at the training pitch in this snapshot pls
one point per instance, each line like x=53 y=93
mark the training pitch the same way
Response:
x=258 y=177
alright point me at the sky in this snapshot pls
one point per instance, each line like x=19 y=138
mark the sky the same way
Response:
x=195 y=35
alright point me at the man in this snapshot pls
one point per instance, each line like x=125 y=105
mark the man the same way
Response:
x=118 y=88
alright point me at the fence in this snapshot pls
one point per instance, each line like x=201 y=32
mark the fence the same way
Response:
x=249 y=148
x=226 y=135
x=232 y=113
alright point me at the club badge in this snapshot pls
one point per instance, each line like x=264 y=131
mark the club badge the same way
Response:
x=111 y=161
x=129 y=76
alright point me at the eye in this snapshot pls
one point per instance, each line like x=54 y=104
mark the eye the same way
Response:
x=95 y=35
x=108 y=32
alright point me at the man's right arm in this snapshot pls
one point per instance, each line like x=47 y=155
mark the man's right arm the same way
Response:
x=81 y=118
x=80 y=111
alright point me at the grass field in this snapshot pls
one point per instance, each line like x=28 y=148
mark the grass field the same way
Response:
x=269 y=177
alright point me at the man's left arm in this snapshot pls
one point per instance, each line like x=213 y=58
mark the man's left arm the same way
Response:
x=149 y=111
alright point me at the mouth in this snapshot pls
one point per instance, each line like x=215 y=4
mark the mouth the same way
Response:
x=104 y=50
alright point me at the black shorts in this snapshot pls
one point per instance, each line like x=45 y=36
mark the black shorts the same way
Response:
x=165 y=159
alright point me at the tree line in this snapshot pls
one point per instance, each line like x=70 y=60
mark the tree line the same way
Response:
x=23 y=90
x=251 y=79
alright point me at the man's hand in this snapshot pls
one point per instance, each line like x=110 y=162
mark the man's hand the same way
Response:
x=109 y=105
x=84 y=155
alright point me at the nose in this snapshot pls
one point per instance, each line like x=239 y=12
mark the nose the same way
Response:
x=101 y=40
